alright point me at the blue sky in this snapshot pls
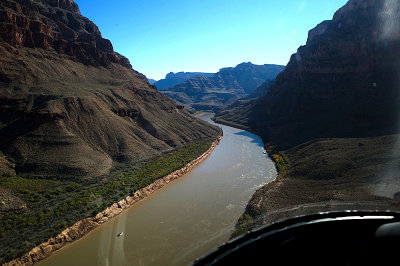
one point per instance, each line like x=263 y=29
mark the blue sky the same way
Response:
x=160 y=36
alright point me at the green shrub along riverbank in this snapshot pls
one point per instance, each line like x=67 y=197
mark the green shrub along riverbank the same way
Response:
x=53 y=205
x=280 y=159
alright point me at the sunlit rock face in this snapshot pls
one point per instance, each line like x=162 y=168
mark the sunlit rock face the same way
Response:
x=343 y=82
x=70 y=106
x=58 y=25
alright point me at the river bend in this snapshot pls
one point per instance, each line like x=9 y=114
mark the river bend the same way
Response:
x=185 y=219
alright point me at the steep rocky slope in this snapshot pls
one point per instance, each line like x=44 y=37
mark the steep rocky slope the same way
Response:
x=172 y=79
x=70 y=105
x=330 y=175
x=343 y=82
x=223 y=88
x=261 y=90
x=333 y=116
x=236 y=114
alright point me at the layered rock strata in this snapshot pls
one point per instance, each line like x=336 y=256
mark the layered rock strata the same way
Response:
x=70 y=106
x=226 y=86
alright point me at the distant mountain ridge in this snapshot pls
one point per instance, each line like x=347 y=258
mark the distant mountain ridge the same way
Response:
x=224 y=87
x=172 y=79
x=152 y=81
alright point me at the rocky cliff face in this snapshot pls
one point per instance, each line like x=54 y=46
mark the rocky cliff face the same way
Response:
x=343 y=82
x=172 y=79
x=260 y=91
x=58 y=25
x=70 y=105
x=223 y=88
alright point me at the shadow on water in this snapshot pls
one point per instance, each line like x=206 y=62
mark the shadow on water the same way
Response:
x=254 y=138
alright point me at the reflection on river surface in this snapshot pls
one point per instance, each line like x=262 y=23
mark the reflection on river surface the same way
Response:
x=185 y=219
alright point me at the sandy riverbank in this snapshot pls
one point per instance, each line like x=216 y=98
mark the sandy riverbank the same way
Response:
x=82 y=227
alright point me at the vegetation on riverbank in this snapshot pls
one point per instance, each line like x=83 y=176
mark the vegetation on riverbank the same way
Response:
x=245 y=221
x=280 y=159
x=53 y=205
x=243 y=225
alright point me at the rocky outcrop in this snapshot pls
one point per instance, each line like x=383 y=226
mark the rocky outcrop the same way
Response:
x=9 y=203
x=84 y=226
x=224 y=87
x=318 y=30
x=343 y=82
x=172 y=79
x=58 y=25
x=69 y=5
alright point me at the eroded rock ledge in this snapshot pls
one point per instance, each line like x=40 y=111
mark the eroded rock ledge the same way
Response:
x=82 y=227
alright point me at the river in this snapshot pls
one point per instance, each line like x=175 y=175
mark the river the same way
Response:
x=184 y=220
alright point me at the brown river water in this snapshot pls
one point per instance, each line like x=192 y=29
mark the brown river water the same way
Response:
x=184 y=220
